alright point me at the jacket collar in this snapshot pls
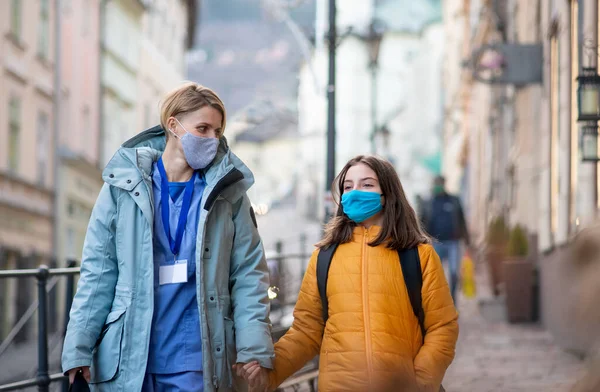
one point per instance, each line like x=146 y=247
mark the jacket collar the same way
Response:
x=133 y=162
x=371 y=233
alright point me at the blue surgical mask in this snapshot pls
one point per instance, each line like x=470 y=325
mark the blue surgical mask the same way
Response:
x=199 y=151
x=361 y=205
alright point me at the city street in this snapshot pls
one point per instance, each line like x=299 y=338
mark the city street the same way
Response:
x=488 y=112
x=494 y=356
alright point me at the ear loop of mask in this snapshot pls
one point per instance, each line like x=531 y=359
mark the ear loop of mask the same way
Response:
x=174 y=134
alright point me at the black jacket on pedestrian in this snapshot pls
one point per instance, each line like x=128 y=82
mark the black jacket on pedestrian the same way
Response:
x=444 y=219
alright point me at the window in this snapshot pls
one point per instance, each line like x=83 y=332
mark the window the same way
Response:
x=43 y=130
x=554 y=135
x=14 y=133
x=87 y=122
x=71 y=208
x=16 y=18
x=44 y=29
x=86 y=119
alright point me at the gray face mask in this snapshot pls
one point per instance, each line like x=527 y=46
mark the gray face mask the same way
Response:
x=199 y=151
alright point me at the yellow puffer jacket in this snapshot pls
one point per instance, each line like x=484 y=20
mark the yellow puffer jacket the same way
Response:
x=372 y=340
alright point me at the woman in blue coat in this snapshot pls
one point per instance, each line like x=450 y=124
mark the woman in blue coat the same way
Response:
x=173 y=286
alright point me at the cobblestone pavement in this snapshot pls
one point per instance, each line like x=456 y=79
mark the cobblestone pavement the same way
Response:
x=494 y=356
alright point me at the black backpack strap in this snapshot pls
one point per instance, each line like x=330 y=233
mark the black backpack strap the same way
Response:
x=413 y=279
x=323 y=263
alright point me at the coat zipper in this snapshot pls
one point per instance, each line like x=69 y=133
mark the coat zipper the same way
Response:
x=366 y=310
x=209 y=207
x=201 y=300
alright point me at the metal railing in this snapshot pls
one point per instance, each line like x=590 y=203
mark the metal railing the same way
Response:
x=43 y=379
x=289 y=289
x=287 y=285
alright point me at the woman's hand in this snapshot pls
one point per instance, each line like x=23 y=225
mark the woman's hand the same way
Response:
x=256 y=376
x=84 y=369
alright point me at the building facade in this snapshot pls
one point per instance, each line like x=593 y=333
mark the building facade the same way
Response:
x=122 y=31
x=111 y=60
x=512 y=149
x=79 y=174
x=164 y=41
x=26 y=147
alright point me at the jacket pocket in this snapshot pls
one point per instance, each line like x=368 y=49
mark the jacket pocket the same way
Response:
x=107 y=353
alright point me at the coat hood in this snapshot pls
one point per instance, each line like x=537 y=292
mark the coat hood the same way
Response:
x=133 y=162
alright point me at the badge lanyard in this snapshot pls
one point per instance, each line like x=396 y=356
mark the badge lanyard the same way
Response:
x=174 y=244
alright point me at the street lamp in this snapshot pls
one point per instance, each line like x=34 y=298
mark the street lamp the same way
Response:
x=589 y=142
x=588 y=95
x=373 y=40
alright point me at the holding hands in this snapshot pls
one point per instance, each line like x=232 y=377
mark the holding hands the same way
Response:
x=256 y=376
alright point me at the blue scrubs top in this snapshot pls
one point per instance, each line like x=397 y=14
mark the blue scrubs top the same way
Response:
x=176 y=189
x=175 y=337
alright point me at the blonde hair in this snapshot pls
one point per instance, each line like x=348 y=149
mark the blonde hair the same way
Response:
x=188 y=98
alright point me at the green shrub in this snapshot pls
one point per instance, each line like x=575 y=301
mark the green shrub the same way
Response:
x=497 y=232
x=518 y=245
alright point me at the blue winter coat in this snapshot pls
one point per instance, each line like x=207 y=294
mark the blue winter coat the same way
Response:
x=110 y=320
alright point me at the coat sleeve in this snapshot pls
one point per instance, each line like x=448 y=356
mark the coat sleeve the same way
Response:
x=249 y=284
x=303 y=340
x=96 y=286
x=441 y=324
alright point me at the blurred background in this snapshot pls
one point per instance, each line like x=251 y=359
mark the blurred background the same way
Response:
x=502 y=97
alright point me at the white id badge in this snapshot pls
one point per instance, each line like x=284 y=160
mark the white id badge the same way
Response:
x=176 y=273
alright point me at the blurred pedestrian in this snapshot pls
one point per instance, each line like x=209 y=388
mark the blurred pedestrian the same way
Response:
x=172 y=262
x=359 y=310
x=444 y=220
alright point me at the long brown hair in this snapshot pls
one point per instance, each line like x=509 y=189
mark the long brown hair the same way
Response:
x=400 y=229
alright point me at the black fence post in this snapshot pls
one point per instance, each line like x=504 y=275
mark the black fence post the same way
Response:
x=53 y=321
x=69 y=293
x=43 y=379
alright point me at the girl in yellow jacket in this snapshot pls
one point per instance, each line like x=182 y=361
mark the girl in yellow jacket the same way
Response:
x=372 y=340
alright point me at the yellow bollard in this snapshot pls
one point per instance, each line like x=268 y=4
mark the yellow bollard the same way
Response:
x=468 y=276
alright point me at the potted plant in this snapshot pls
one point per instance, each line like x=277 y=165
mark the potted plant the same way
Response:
x=518 y=277
x=495 y=251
